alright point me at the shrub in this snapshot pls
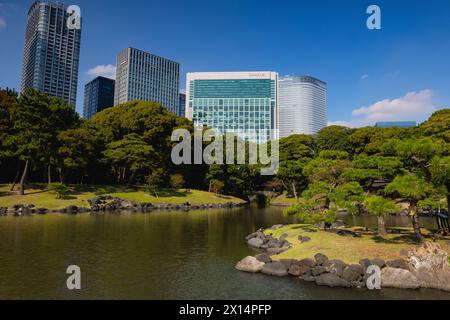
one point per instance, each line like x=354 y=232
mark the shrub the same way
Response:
x=59 y=189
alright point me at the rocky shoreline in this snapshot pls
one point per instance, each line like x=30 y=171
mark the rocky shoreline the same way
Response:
x=426 y=266
x=102 y=204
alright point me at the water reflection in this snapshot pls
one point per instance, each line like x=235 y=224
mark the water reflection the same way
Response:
x=158 y=255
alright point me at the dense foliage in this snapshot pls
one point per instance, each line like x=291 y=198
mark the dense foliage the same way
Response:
x=42 y=139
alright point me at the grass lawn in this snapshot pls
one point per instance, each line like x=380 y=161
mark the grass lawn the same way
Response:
x=283 y=200
x=348 y=249
x=41 y=198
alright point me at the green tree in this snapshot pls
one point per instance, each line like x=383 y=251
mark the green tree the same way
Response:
x=334 y=138
x=348 y=196
x=438 y=125
x=292 y=176
x=380 y=207
x=440 y=172
x=413 y=189
x=78 y=150
x=368 y=169
x=128 y=157
x=37 y=121
x=296 y=147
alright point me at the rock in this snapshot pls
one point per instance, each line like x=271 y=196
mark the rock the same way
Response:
x=365 y=263
x=320 y=259
x=335 y=267
x=317 y=271
x=398 y=264
x=295 y=270
x=347 y=233
x=304 y=239
x=398 y=278
x=275 y=269
x=289 y=262
x=339 y=224
x=378 y=262
x=250 y=264
x=264 y=258
x=71 y=210
x=275 y=251
x=255 y=242
x=308 y=278
x=353 y=273
x=430 y=265
x=42 y=211
x=305 y=266
x=283 y=237
x=332 y=280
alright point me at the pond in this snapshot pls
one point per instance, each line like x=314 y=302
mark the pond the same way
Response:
x=157 y=255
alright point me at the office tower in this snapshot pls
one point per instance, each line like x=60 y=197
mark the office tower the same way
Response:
x=98 y=95
x=245 y=103
x=51 y=53
x=144 y=76
x=303 y=105
x=182 y=105
x=396 y=124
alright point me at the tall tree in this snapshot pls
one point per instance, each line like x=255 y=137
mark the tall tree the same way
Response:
x=334 y=138
x=413 y=189
x=380 y=207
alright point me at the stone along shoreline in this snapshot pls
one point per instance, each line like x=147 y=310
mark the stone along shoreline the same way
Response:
x=112 y=204
x=425 y=266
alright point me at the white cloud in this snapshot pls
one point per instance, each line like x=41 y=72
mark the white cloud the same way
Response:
x=106 y=70
x=2 y=23
x=413 y=106
x=364 y=77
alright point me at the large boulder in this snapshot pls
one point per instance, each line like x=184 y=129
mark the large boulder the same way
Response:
x=317 y=271
x=335 y=266
x=275 y=269
x=378 y=262
x=256 y=242
x=353 y=273
x=263 y=258
x=398 y=278
x=250 y=264
x=332 y=280
x=320 y=259
x=398 y=264
x=429 y=263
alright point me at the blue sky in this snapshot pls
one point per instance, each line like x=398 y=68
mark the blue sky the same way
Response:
x=401 y=72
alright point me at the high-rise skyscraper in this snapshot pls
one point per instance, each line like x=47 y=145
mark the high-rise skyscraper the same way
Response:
x=144 y=76
x=303 y=105
x=98 y=95
x=245 y=103
x=182 y=105
x=51 y=53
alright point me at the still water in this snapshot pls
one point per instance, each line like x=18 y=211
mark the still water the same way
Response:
x=158 y=255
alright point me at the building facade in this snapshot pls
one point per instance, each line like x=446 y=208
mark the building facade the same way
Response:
x=244 y=103
x=98 y=95
x=144 y=76
x=182 y=105
x=51 y=53
x=396 y=124
x=303 y=105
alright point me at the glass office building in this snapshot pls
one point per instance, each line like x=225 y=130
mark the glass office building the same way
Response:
x=144 y=76
x=98 y=95
x=51 y=53
x=182 y=105
x=303 y=105
x=396 y=124
x=245 y=103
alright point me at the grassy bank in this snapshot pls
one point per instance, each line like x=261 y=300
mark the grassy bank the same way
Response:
x=39 y=196
x=348 y=249
x=283 y=201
